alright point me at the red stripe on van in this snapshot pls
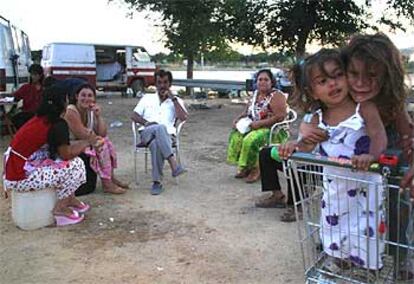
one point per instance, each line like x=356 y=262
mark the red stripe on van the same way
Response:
x=148 y=79
x=2 y=80
x=75 y=72
x=73 y=68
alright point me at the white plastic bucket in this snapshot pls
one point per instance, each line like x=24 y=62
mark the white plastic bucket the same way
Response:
x=33 y=210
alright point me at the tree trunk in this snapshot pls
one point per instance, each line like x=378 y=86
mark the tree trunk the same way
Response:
x=190 y=67
x=301 y=48
x=310 y=8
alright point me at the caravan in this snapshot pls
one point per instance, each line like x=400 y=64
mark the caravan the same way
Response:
x=15 y=57
x=107 y=67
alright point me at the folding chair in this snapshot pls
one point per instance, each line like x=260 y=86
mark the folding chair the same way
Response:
x=290 y=117
x=136 y=127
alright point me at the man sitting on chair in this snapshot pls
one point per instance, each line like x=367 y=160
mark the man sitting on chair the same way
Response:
x=158 y=113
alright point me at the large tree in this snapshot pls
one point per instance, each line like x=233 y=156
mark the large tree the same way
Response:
x=195 y=26
x=198 y=26
x=292 y=24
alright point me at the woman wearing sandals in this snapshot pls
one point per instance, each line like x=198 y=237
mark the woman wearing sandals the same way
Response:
x=40 y=157
x=251 y=129
x=84 y=118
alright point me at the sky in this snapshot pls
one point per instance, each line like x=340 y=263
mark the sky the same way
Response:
x=96 y=21
x=93 y=21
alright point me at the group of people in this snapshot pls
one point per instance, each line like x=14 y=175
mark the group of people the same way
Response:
x=355 y=104
x=62 y=143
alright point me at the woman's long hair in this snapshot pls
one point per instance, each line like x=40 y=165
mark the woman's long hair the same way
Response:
x=378 y=50
x=53 y=104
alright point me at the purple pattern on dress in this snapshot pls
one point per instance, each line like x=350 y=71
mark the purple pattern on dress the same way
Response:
x=369 y=232
x=323 y=204
x=371 y=213
x=352 y=192
x=334 y=246
x=363 y=192
x=322 y=151
x=344 y=157
x=357 y=260
x=362 y=145
x=332 y=219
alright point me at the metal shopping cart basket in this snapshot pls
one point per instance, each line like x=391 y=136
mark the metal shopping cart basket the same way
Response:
x=357 y=226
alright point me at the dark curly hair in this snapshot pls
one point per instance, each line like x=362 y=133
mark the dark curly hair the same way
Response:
x=301 y=72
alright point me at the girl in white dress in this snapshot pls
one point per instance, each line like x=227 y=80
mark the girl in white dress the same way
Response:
x=351 y=211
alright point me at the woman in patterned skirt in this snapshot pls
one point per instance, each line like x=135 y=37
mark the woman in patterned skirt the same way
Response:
x=267 y=107
x=40 y=157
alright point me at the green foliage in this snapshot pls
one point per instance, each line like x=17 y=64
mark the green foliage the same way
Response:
x=193 y=27
x=222 y=53
x=163 y=58
x=292 y=24
x=244 y=20
x=395 y=11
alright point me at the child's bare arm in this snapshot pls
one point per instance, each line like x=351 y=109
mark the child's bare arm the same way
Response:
x=375 y=129
x=307 y=145
x=311 y=133
x=287 y=149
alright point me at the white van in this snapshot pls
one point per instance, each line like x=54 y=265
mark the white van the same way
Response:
x=15 y=57
x=107 y=67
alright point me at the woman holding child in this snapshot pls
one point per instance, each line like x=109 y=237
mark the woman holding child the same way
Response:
x=252 y=127
x=374 y=73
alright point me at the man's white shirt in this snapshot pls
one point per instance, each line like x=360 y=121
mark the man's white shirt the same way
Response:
x=152 y=110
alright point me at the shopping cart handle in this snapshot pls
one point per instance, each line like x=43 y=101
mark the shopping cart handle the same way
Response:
x=390 y=159
x=387 y=160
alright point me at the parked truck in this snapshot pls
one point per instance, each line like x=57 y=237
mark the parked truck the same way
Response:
x=106 y=67
x=15 y=57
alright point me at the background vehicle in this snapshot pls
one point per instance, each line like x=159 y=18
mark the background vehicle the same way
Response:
x=15 y=58
x=107 y=67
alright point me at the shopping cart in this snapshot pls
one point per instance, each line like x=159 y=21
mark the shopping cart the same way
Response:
x=357 y=226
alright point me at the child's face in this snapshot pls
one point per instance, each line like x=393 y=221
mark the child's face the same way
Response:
x=264 y=83
x=330 y=87
x=363 y=80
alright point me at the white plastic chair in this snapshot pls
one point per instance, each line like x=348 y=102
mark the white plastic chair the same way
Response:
x=285 y=124
x=136 y=139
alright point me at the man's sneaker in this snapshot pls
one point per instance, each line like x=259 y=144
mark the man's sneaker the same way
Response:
x=156 y=189
x=178 y=171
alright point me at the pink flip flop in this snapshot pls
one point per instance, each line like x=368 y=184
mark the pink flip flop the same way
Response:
x=74 y=218
x=81 y=209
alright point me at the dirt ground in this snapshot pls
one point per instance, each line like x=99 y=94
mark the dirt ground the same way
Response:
x=204 y=228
